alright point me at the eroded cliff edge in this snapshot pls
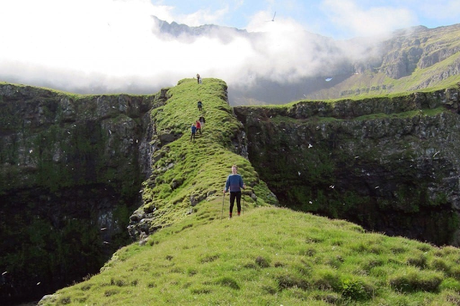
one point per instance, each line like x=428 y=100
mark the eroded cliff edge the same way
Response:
x=71 y=170
x=388 y=164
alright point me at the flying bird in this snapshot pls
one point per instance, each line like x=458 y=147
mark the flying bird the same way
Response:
x=273 y=19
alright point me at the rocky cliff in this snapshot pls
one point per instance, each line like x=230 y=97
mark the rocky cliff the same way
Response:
x=388 y=164
x=71 y=169
x=418 y=48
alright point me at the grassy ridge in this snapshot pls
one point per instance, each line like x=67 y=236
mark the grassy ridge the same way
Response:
x=269 y=255
x=197 y=170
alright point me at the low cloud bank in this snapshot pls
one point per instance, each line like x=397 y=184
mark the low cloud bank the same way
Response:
x=111 y=46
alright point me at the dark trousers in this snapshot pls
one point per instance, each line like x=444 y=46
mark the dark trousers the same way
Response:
x=237 y=196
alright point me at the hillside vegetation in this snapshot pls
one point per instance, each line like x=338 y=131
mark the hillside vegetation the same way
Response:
x=186 y=172
x=269 y=255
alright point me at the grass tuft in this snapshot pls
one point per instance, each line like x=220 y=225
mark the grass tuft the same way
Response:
x=262 y=262
x=228 y=282
x=412 y=280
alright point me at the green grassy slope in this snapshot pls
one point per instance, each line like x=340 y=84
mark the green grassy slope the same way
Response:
x=197 y=169
x=269 y=255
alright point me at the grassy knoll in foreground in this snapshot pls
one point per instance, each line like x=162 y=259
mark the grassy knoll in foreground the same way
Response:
x=271 y=256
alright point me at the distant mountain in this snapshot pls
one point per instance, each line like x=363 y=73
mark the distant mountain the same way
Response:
x=411 y=59
x=184 y=32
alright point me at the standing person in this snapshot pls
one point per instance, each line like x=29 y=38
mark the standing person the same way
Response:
x=234 y=183
x=198 y=127
x=198 y=78
x=202 y=121
x=192 y=137
x=200 y=105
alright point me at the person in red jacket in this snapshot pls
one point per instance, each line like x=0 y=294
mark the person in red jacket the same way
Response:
x=198 y=126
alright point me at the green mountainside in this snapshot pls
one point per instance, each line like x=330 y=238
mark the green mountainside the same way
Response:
x=270 y=255
x=412 y=59
x=409 y=60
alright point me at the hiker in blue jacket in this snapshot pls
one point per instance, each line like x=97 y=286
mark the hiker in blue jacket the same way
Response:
x=192 y=136
x=234 y=183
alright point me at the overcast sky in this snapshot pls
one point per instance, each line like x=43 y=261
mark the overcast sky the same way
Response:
x=113 y=45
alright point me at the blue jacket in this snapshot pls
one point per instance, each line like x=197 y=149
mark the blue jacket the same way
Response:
x=234 y=182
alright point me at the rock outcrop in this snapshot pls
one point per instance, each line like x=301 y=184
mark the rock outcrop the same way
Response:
x=388 y=164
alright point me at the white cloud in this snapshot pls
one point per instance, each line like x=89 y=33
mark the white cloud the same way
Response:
x=286 y=51
x=98 y=42
x=349 y=16
x=115 y=46
x=202 y=17
x=196 y=18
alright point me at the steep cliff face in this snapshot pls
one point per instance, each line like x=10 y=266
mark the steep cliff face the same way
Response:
x=389 y=164
x=71 y=169
x=418 y=48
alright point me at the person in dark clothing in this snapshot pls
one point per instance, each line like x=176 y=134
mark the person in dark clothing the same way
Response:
x=202 y=121
x=200 y=106
x=192 y=136
x=198 y=78
x=234 y=183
